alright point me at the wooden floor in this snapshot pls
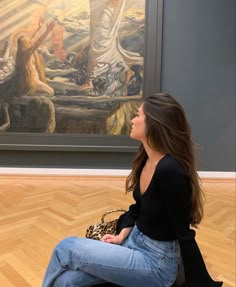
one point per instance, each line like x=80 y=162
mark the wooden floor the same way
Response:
x=38 y=211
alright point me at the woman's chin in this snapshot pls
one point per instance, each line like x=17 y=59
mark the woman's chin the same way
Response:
x=132 y=135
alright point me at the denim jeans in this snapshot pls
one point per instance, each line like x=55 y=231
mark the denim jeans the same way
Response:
x=140 y=261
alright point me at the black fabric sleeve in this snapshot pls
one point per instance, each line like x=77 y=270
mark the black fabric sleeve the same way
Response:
x=128 y=218
x=176 y=192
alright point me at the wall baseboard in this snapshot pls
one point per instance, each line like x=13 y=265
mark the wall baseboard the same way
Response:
x=96 y=172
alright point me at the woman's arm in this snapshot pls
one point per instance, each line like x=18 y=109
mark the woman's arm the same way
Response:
x=37 y=43
x=37 y=30
x=176 y=190
x=128 y=218
x=7 y=123
x=124 y=226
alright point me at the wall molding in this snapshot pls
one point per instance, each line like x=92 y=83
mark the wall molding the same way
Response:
x=96 y=172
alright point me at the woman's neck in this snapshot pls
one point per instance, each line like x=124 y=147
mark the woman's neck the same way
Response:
x=153 y=155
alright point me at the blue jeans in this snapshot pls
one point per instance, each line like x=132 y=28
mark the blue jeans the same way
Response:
x=140 y=261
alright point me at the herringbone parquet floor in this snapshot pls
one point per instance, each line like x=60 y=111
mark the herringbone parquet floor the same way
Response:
x=38 y=211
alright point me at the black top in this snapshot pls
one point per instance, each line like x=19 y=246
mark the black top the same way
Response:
x=162 y=213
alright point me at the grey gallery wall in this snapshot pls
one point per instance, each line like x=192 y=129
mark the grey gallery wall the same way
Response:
x=198 y=67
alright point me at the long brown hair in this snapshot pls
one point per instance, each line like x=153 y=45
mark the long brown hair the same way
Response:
x=168 y=131
x=25 y=74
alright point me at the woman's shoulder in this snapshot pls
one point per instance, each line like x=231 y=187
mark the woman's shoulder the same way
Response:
x=169 y=165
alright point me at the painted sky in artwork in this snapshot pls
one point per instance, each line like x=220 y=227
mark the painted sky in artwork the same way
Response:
x=24 y=14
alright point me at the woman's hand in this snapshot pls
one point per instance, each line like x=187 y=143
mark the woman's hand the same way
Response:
x=114 y=239
x=5 y=106
x=117 y=239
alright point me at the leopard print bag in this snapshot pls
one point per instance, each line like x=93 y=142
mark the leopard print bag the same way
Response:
x=97 y=231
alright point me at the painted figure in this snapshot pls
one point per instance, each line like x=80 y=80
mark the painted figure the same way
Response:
x=29 y=78
x=105 y=52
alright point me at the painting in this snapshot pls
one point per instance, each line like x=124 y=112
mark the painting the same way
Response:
x=74 y=69
x=69 y=66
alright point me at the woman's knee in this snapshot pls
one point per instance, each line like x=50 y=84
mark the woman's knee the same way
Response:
x=66 y=243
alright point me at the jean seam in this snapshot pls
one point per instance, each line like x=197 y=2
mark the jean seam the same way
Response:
x=145 y=272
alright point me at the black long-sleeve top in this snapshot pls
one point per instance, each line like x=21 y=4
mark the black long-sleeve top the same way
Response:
x=163 y=213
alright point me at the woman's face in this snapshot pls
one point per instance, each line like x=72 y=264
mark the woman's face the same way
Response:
x=138 y=125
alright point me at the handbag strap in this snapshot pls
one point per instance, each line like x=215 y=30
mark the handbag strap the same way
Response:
x=111 y=211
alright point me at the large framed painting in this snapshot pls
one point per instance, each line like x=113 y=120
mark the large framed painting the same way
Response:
x=73 y=72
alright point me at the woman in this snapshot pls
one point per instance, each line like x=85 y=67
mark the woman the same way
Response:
x=30 y=78
x=155 y=231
